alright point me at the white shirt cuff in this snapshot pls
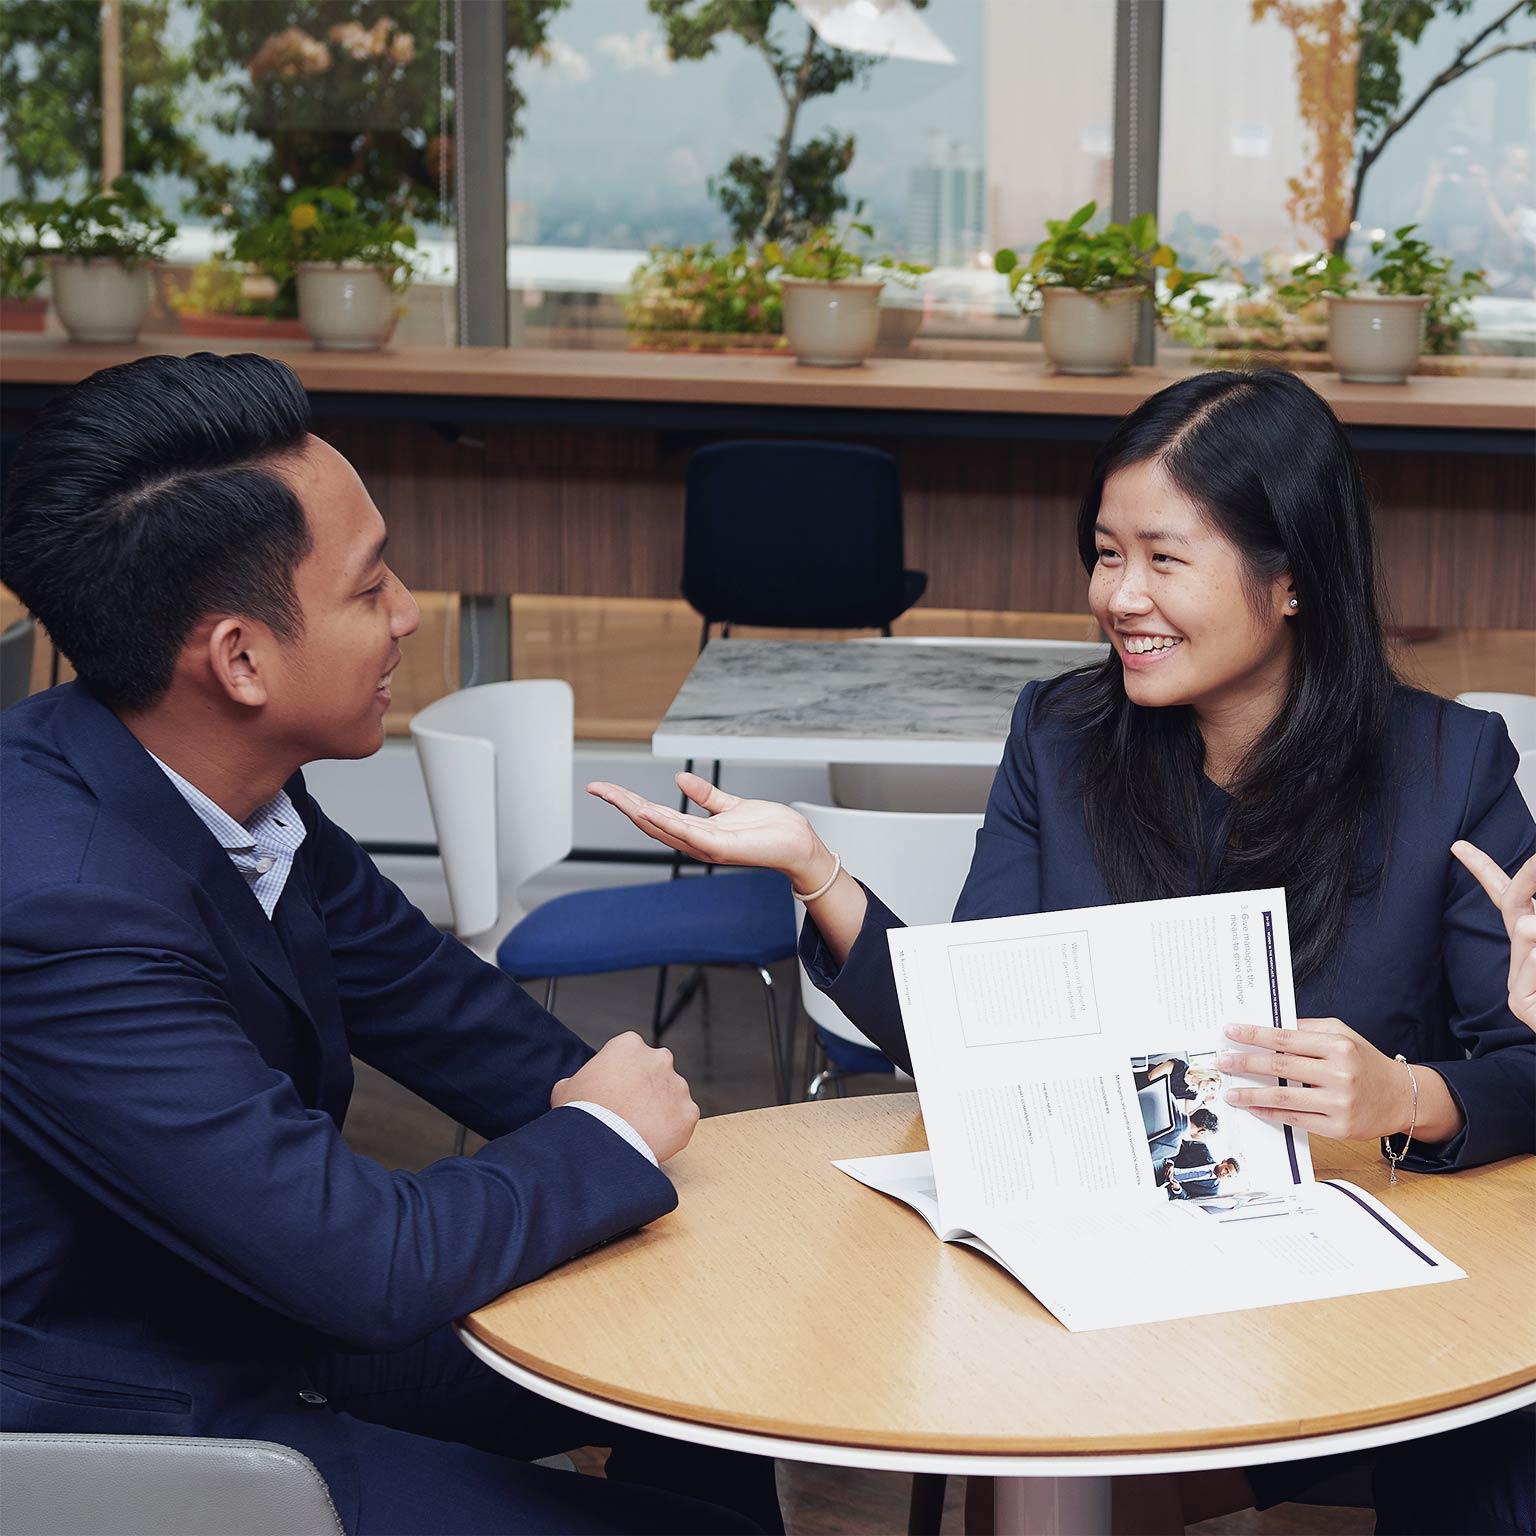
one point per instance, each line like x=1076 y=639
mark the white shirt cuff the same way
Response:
x=618 y=1125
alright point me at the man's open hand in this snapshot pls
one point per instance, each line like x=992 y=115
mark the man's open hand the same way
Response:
x=639 y=1083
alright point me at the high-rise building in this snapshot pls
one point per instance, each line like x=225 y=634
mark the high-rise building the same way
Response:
x=946 y=206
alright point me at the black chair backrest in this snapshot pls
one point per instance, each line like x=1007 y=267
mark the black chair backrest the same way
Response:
x=794 y=536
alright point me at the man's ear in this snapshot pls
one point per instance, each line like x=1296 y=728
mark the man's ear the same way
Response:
x=237 y=651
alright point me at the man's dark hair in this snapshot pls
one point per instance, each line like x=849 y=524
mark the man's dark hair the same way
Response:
x=145 y=499
x=1204 y=1120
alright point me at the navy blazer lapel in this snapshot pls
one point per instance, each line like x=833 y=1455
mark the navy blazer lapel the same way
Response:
x=124 y=777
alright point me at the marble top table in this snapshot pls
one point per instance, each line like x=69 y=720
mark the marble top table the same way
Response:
x=913 y=702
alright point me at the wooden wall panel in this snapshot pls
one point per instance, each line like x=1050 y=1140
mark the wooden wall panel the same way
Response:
x=597 y=512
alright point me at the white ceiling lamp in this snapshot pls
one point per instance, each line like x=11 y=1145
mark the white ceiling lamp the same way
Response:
x=888 y=29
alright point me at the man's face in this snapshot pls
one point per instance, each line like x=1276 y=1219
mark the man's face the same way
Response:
x=331 y=684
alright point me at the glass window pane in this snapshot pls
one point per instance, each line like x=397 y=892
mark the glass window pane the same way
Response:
x=642 y=126
x=229 y=107
x=1268 y=118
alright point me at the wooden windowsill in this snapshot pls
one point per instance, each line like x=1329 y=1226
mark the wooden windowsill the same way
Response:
x=1004 y=386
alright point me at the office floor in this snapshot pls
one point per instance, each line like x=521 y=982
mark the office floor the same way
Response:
x=728 y=1070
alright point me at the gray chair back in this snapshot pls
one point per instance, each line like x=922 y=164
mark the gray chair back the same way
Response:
x=160 y=1485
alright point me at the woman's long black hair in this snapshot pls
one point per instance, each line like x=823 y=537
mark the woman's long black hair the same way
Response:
x=1268 y=464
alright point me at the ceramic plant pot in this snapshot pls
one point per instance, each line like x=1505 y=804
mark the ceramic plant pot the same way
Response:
x=346 y=306
x=100 y=299
x=1090 y=333
x=1376 y=339
x=832 y=325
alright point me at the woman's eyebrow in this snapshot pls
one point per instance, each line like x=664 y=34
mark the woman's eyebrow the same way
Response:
x=1148 y=535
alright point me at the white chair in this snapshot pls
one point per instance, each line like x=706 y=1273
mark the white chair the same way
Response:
x=497 y=761
x=952 y=789
x=1518 y=710
x=917 y=862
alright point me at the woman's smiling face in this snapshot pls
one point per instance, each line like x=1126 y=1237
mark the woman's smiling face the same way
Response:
x=1170 y=592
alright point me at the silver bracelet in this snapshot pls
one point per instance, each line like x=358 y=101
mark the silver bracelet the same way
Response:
x=1413 y=1119
x=821 y=890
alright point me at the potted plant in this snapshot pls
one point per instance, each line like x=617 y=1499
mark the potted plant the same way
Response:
x=20 y=271
x=831 y=307
x=695 y=298
x=1413 y=302
x=221 y=298
x=99 y=248
x=348 y=269
x=1089 y=286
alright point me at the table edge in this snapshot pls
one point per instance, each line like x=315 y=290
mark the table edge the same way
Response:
x=986 y=1458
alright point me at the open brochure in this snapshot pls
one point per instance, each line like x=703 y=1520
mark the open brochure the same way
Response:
x=1078 y=1134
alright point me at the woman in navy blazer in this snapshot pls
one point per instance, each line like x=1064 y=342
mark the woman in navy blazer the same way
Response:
x=1246 y=730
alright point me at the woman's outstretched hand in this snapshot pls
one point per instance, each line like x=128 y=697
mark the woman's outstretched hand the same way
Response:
x=758 y=833
x=1514 y=896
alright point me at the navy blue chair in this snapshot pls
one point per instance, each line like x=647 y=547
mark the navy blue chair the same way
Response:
x=796 y=535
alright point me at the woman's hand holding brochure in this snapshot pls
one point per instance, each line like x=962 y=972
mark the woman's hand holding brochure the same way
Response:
x=1336 y=1083
x=1085 y=1114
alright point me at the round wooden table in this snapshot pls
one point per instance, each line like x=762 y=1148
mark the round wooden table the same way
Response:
x=786 y=1310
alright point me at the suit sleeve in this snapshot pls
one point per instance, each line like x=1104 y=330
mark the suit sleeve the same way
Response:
x=1004 y=879
x=126 y=1069
x=425 y=1009
x=1494 y=1082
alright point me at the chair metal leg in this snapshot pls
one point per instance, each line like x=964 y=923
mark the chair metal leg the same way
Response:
x=460 y=1134
x=549 y=994
x=661 y=997
x=775 y=1044
x=925 y=1512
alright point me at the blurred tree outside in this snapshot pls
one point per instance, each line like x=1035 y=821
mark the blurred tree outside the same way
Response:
x=1350 y=89
x=50 y=94
x=342 y=93
x=786 y=196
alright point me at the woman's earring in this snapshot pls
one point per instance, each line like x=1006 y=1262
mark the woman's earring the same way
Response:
x=1293 y=602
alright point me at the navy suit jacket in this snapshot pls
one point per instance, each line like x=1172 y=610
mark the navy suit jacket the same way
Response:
x=1422 y=964
x=183 y=1225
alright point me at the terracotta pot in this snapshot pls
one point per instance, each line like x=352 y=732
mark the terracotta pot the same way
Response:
x=23 y=314
x=1375 y=339
x=100 y=299
x=254 y=326
x=1090 y=333
x=832 y=325
x=346 y=306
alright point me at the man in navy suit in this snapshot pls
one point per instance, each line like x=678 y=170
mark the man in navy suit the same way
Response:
x=192 y=954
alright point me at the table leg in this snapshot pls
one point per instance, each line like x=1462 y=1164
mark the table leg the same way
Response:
x=1051 y=1506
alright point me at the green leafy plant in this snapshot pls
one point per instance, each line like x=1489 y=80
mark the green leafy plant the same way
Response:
x=1326 y=275
x=120 y=223
x=825 y=256
x=1410 y=266
x=1116 y=258
x=20 y=270
x=1404 y=267
x=697 y=288
x=325 y=224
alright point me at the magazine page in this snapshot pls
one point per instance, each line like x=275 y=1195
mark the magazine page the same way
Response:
x=1066 y=1064
x=908 y=1177
x=1201 y=1257
x=1069 y=1057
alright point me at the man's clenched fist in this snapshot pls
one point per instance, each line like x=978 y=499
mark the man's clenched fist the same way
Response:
x=639 y=1083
